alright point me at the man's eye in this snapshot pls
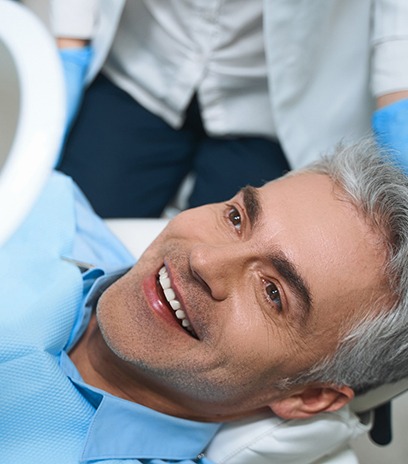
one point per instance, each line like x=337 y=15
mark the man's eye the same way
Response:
x=235 y=217
x=274 y=295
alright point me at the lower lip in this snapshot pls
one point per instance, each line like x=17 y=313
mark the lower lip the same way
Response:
x=151 y=293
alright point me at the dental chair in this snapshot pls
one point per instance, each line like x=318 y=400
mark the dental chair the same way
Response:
x=32 y=116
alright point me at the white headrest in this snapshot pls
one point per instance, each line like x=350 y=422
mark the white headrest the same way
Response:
x=378 y=396
x=268 y=439
x=32 y=111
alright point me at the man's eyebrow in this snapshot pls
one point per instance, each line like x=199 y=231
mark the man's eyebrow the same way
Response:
x=252 y=204
x=287 y=269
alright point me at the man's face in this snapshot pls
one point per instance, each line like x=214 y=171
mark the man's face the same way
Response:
x=266 y=281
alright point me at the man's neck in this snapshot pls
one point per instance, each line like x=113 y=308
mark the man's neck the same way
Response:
x=101 y=368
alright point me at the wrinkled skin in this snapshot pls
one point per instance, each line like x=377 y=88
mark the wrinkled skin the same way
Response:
x=268 y=280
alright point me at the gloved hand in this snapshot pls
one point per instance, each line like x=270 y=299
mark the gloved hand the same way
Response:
x=390 y=126
x=75 y=63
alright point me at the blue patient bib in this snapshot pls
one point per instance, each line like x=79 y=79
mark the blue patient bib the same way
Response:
x=40 y=294
x=48 y=415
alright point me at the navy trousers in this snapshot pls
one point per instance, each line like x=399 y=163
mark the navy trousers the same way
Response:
x=130 y=163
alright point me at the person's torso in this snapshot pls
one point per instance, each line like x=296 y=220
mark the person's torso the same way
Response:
x=164 y=52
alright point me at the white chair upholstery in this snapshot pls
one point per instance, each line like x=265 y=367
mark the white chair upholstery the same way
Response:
x=268 y=439
x=137 y=234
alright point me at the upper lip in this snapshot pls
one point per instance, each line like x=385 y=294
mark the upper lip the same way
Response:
x=174 y=300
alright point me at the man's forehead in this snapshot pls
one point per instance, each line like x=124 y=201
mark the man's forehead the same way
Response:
x=304 y=194
x=300 y=179
x=326 y=238
x=294 y=182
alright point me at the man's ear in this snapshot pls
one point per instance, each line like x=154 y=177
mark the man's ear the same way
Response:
x=312 y=400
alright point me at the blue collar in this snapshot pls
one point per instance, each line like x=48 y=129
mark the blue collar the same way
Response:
x=121 y=429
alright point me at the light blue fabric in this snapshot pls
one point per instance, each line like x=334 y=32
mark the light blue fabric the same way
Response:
x=390 y=126
x=75 y=63
x=48 y=415
x=137 y=427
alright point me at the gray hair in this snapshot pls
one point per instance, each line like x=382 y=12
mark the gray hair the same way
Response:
x=375 y=350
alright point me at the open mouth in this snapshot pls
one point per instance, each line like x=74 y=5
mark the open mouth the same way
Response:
x=170 y=296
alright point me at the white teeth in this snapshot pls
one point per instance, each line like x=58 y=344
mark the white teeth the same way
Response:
x=180 y=314
x=169 y=293
x=165 y=282
x=171 y=298
x=175 y=304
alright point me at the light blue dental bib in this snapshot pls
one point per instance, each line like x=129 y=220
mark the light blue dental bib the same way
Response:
x=42 y=415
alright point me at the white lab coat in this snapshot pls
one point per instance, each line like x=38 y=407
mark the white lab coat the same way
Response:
x=327 y=61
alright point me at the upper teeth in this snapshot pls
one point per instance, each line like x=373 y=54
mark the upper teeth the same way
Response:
x=171 y=297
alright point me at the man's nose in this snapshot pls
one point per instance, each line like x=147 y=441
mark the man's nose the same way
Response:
x=216 y=268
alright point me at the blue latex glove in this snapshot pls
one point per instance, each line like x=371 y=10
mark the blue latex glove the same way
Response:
x=75 y=62
x=390 y=126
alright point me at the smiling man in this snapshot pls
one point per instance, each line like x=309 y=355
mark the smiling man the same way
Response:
x=252 y=281
x=279 y=299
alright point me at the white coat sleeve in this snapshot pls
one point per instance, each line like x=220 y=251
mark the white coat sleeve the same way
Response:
x=390 y=46
x=74 y=18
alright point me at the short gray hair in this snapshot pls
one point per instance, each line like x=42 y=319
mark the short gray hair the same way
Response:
x=375 y=350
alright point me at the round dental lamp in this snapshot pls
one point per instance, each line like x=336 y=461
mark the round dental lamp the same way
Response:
x=32 y=112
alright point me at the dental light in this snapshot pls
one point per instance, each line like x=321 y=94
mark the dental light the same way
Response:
x=32 y=112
